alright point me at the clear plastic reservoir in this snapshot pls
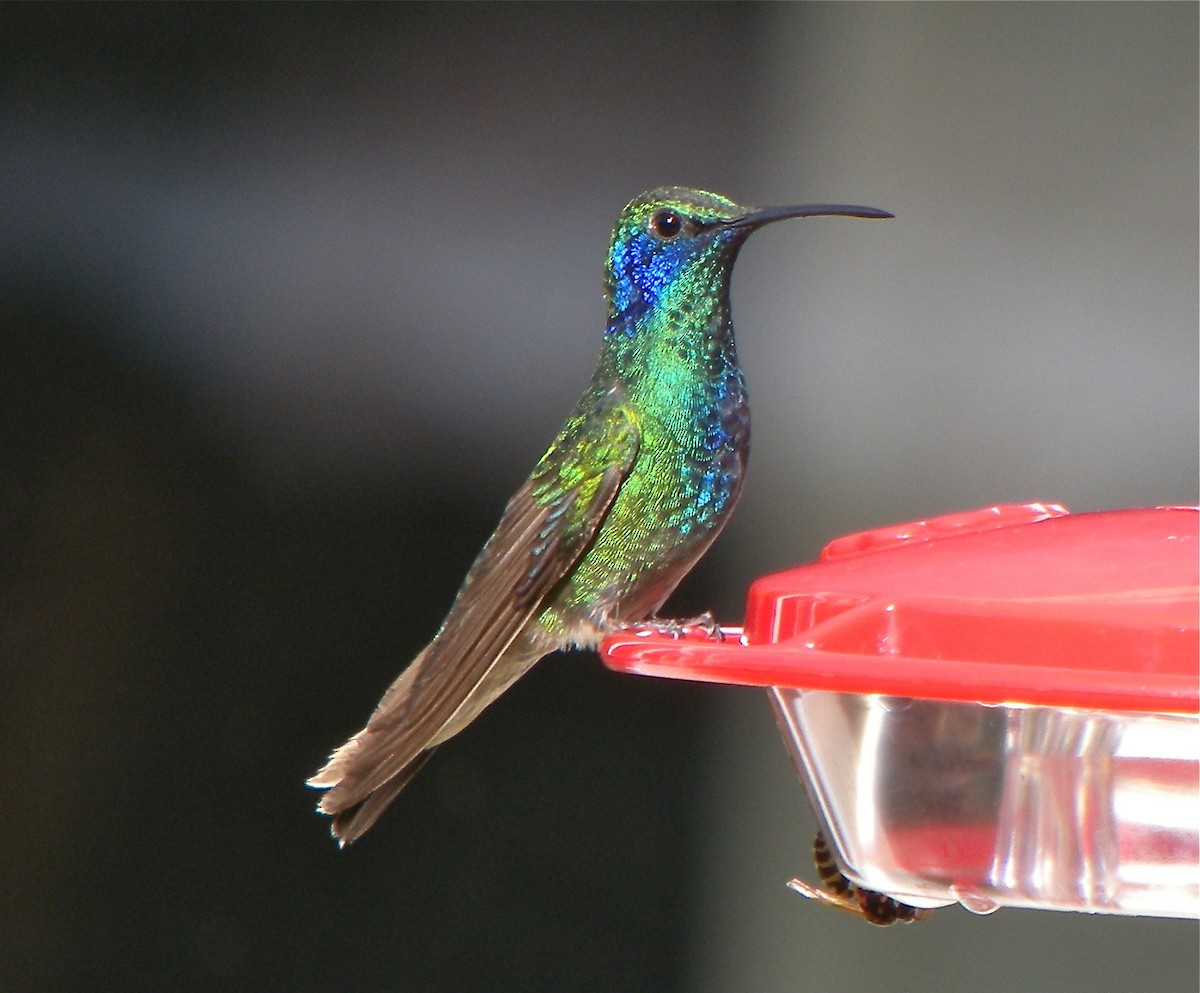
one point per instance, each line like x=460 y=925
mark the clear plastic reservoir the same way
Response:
x=934 y=802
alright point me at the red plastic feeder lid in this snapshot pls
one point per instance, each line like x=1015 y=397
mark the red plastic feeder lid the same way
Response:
x=1016 y=604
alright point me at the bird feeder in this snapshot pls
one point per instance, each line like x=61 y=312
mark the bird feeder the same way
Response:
x=997 y=708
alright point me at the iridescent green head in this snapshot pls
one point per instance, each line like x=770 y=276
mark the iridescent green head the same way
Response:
x=676 y=240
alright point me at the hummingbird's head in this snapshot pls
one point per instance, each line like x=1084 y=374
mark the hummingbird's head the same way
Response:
x=679 y=242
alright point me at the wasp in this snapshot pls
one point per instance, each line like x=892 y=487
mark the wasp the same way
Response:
x=841 y=893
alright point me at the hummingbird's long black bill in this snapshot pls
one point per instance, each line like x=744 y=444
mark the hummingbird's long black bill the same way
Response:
x=766 y=215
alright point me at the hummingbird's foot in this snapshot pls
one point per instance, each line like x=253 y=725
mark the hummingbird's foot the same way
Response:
x=850 y=898
x=679 y=628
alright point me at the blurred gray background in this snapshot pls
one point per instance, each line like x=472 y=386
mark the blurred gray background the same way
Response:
x=294 y=296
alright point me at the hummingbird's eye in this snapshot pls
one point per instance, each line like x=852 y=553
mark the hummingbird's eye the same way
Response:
x=666 y=224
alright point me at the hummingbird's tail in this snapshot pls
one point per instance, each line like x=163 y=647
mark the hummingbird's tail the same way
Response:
x=350 y=823
x=364 y=774
x=354 y=808
x=491 y=636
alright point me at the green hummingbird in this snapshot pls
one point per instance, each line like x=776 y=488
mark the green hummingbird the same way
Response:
x=632 y=492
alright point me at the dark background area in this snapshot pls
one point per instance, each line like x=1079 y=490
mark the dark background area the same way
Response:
x=291 y=299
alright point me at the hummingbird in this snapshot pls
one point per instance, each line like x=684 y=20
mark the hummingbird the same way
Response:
x=643 y=475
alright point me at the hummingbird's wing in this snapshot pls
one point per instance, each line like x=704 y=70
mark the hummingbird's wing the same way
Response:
x=546 y=527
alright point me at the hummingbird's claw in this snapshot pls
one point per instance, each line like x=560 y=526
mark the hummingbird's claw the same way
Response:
x=680 y=628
